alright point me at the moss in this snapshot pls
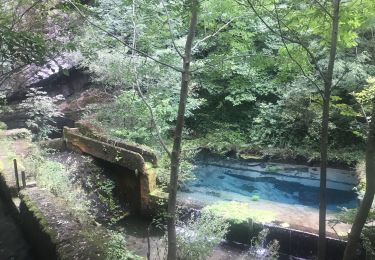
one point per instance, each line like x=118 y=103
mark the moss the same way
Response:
x=237 y=212
x=3 y=126
x=273 y=169
x=31 y=207
x=148 y=166
x=158 y=193
x=250 y=156
x=255 y=197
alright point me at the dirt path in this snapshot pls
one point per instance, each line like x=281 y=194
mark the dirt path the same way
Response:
x=12 y=244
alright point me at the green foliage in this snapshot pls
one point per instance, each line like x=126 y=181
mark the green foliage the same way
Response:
x=255 y=197
x=262 y=250
x=237 y=212
x=187 y=167
x=221 y=138
x=198 y=237
x=3 y=126
x=22 y=47
x=30 y=32
x=41 y=111
x=57 y=178
x=247 y=91
x=115 y=249
x=104 y=188
x=365 y=96
x=348 y=216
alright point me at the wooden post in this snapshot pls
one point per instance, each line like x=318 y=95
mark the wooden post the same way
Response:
x=23 y=176
x=16 y=174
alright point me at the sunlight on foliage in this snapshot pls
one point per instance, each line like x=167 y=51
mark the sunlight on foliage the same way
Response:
x=197 y=237
x=239 y=212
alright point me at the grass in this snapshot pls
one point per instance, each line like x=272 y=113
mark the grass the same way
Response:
x=115 y=248
x=237 y=212
x=255 y=197
x=57 y=178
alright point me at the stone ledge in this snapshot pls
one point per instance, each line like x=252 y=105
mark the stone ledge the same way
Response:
x=90 y=130
x=54 y=232
x=77 y=142
x=140 y=183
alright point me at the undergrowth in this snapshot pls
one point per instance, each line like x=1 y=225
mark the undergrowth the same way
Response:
x=57 y=178
x=61 y=180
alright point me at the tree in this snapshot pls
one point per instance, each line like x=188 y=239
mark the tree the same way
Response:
x=364 y=209
x=177 y=139
x=31 y=33
x=20 y=45
x=289 y=34
x=327 y=78
x=175 y=155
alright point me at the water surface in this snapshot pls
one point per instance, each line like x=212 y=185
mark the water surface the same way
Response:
x=249 y=185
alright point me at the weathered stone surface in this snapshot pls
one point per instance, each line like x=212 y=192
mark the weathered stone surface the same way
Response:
x=55 y=144
x=90 y=130
x=50 y=227
x=136 y=184
x=147 y=185
x=54 y=232
x=105 y=151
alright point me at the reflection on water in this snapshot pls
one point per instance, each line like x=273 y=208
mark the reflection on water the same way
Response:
x=242 y=185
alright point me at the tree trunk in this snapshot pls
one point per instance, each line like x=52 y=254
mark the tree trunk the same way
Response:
x=323 y=175
x=360 y=219
x=176 y=152
x=324 y=132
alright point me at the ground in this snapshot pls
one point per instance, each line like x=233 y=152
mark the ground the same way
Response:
x=12 y=244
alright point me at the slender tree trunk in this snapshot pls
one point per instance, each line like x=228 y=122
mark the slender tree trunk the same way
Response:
x=360 y=219
x=324 y=131
x=176 y=152
x=323 y=175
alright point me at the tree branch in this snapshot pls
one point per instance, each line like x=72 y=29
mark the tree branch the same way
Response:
x=123 y=42
x=340 y=79
x=287 y=49
x=323 y=8
x=170 y=30
x=26 y=11
x=138 y=89
x=214 y=34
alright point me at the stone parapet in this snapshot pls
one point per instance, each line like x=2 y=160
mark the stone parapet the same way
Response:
x=137 y=184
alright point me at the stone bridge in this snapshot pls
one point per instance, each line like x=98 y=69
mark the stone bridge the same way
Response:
x=134 y=166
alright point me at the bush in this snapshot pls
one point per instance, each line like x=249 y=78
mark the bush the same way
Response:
x=3 y=126
x=41 y=111
x=116 y=249
x=198 y=237
x=261 y=250
x=222 y=138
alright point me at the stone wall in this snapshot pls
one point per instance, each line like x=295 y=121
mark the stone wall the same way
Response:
x=135 y=165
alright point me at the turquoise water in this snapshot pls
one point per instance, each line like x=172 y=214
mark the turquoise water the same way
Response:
x=250 y=185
